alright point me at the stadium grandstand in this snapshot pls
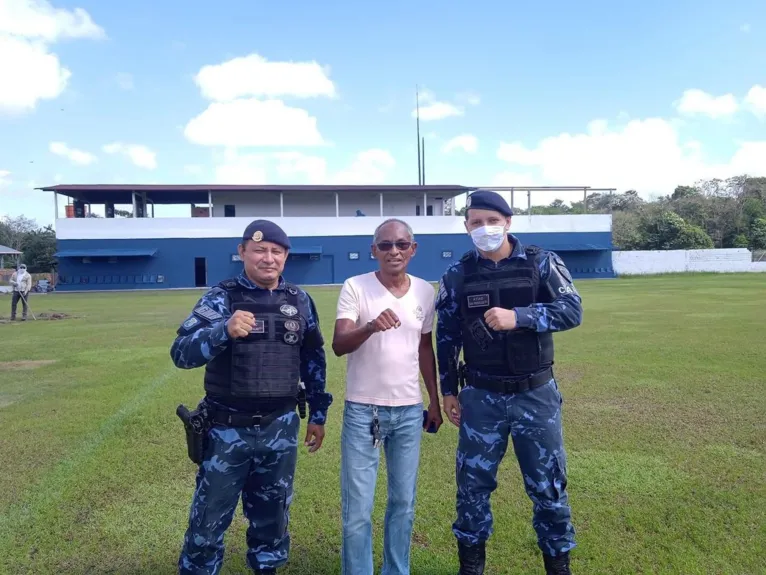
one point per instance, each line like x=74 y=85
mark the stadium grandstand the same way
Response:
x=330 y=228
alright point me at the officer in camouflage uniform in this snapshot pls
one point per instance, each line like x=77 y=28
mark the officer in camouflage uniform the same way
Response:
x=258 y=336
x=502 y=303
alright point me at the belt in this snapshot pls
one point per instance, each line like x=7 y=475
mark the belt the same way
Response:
x=509 y=385
x=245 y=419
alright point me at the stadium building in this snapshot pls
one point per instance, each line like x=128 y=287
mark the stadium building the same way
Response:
x=330 y=228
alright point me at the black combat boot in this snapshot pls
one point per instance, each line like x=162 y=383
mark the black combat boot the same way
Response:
x=471 y=558
x=558 y=565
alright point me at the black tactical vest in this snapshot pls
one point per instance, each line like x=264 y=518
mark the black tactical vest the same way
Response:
x=502 y=353
x=266 y=364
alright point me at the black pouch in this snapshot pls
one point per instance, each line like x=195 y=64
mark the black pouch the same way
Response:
x=196 y=427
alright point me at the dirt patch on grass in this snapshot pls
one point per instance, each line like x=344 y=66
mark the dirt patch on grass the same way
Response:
x=52 y=316
x=24 y=364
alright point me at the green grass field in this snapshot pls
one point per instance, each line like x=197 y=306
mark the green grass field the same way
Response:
x=664 y=416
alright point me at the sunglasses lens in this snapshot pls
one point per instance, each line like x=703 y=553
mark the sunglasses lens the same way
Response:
x=385 y=246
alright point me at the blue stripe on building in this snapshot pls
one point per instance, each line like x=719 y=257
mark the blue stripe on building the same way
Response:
x=117 y=264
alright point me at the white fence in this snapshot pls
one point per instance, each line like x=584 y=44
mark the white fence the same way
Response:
x=675 y=261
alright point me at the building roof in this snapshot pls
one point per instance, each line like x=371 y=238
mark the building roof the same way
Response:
x=6 y=251
x=198 y=193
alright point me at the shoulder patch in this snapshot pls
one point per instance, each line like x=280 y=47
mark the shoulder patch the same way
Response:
x=191 y=322
x=532 y=250
x=208 y=313
x=228 y=284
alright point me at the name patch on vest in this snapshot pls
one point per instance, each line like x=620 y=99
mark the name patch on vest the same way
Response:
x=291 y=337
x=292 y=325
x=208 y=313
x=479 y=300
x=288 y=310
x=259 y=327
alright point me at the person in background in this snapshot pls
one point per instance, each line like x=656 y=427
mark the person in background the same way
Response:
x=258 y=336
x=22 y=285
x=383 y=325
x=501 y=303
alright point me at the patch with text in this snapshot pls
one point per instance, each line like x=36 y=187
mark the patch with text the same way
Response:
x=478 y=300
x=208 y=313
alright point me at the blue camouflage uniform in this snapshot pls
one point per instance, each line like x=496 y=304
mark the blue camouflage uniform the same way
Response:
x=530 y=418
x=258 y=461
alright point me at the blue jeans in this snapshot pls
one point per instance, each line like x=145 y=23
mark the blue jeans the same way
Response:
x=401 y=430
x=532 y=422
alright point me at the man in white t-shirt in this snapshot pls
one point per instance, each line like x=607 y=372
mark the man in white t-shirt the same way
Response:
x=383 y=324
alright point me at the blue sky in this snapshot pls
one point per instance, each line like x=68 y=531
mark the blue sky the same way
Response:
x=646 y=97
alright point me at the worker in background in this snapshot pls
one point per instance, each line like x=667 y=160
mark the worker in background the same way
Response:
x=22 y=285
x=501 y=303
x=258 y=336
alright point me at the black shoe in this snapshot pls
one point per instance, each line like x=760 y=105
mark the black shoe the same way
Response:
x=472 y=558
x=558 y=565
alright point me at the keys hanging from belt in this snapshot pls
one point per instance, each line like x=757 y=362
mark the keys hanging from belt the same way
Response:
x=375 y=428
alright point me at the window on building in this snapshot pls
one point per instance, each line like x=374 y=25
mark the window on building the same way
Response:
x=429 y=210
x=229 y=211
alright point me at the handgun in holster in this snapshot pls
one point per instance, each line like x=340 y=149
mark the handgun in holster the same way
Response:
x=302 y=400
x=197 y=425
x=461 y=375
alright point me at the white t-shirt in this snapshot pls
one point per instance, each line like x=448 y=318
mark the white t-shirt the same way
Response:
x=385 y=370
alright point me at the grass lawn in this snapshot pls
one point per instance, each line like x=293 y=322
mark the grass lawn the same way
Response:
x=664 y=417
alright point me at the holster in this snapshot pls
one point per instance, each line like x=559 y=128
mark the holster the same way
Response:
x=196 y=425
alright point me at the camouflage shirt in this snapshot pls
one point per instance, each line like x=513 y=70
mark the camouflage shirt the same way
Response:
x=202 y=340
x=564 y=313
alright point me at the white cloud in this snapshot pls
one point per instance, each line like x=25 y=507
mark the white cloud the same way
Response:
x=241 y=169
x=368 y=167
x=646 y=155
x=4 y=179
x=140 y=155
x=253 y=75
x=289 y=164
x=125 y=81
x=437 y=111
x=431 y=109
x=470 y=98
x=250 y=122
x=77 y=157
x=467 y=142
x=29 y=71
x=755 y=101
x=696 y=102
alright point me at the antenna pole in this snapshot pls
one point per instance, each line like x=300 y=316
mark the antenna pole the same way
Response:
x=423 y=148
x=417 y=123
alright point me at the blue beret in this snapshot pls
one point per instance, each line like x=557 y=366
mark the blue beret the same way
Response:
x=266 y=231
x=487 y=200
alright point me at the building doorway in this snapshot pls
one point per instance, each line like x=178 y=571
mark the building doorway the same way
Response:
x=200 y=272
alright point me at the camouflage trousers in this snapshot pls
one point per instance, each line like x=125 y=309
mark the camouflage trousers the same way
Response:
x=532 y=420
x=258 y=462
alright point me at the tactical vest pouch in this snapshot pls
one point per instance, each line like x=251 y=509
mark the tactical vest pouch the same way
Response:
x=196 y=427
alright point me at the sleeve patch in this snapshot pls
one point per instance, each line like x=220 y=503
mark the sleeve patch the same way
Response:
x=191 y=323
x=208 y=313
x=442 y=294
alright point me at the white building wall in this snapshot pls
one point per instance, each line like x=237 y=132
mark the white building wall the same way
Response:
x=135 y=228
x=680 y=261
x=322 y=204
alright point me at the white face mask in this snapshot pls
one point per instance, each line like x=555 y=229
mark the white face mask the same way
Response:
x=488 y=238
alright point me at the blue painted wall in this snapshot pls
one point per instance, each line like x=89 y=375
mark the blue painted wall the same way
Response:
x=588 y=255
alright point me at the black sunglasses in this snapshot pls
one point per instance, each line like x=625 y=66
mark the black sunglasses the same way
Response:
x=386 y=246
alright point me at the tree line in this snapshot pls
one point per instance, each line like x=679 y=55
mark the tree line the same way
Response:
x=711 y=214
